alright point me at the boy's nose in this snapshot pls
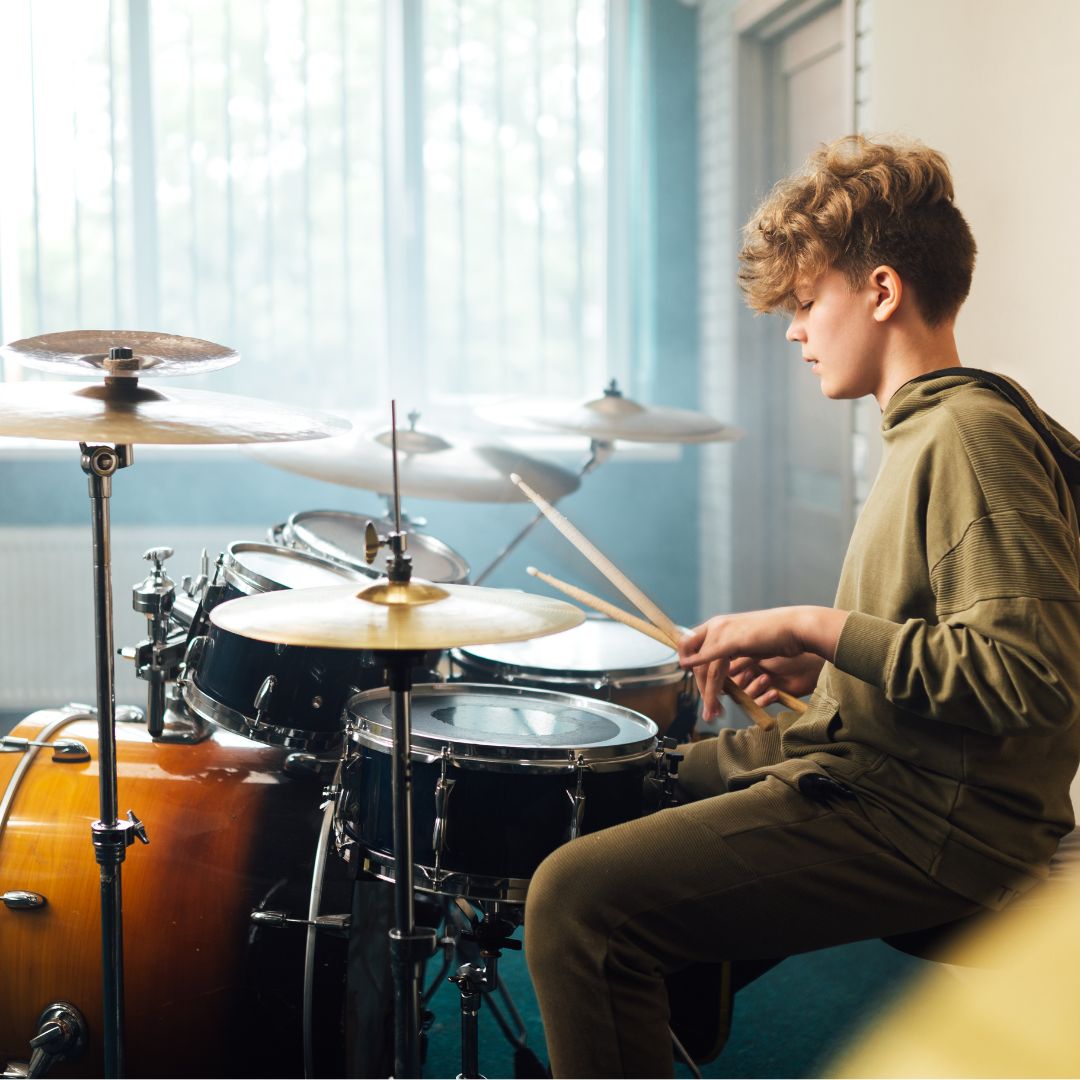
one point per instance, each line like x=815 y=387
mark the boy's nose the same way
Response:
x=794 y=331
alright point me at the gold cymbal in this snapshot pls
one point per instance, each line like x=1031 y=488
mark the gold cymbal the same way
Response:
x=610 y=417
x=121 y=411
x=430 y=466
x=337 y=617
x=86 y=352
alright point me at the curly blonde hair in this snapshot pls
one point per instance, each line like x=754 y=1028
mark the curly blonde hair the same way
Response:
x=856 y=205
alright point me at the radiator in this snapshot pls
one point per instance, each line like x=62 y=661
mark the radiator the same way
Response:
x=47 y=600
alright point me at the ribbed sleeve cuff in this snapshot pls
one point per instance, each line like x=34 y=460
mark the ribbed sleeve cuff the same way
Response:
x=865 y=646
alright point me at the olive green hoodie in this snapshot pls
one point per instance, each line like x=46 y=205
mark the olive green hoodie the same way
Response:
x=951 y=710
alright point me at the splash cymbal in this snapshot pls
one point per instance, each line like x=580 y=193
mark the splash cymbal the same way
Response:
x=121 y=411
x=416 y=615
x=430 y=466
x=87 y=352
x=610 y=417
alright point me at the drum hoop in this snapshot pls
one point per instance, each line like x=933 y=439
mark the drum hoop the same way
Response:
x=657 y=675
x=258 y=731
x=250 y=581
x=377 y=735
x=427 y=879
x=300 y=537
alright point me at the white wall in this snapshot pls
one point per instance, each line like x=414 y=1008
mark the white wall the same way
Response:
x=995 y=85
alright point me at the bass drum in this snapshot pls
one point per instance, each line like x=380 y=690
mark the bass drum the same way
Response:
x=338 y=535
x=208 y=992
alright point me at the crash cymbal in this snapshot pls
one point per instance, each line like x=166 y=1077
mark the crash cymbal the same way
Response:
x=87 y=352
x=612 y=416
x=430 y=466
x=417 y=615
x=120 y=411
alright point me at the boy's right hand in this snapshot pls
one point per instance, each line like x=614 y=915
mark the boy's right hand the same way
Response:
x=762 y=677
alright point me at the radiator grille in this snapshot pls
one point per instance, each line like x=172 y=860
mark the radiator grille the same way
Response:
x=47 y=601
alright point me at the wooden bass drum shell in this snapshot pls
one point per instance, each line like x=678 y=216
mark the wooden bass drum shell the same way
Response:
x=207 y=993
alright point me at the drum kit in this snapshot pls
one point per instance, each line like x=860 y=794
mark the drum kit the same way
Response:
x=310 y=723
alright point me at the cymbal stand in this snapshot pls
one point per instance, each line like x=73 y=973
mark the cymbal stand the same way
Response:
x=410 y=945
x=599 y=452
x=109 y=835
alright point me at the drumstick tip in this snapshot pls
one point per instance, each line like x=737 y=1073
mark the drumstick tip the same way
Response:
x=531 y=571
x=515 y=478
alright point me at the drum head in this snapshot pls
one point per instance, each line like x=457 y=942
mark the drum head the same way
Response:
x=255 y=567
x=599 y=650
x=339 y=535
x=499 y=726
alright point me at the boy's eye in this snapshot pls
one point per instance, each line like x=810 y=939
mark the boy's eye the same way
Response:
x=805 y=305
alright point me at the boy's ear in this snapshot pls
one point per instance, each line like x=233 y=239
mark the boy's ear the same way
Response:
x=887 y=290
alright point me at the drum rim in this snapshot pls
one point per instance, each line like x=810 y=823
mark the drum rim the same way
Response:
x=667 y=673
x=424 y=540
x=378 y=735
x=202 y=704
x=251 y=582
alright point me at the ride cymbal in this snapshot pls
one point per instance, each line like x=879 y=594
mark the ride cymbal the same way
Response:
x=397 y=616
x=612 y=417
x=121 y=411
x=430 y=466
x=87 y=352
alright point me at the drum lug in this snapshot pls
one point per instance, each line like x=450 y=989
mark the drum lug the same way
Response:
x=577 y=798
x=444 y=786
x=263 y=699
x=69 y=750
x=337 y=924
x=22 y=900
x=330 y=795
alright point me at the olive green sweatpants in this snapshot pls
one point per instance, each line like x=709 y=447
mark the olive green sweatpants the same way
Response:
x=757 y=874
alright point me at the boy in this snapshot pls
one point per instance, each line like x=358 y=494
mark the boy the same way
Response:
x=929 y=777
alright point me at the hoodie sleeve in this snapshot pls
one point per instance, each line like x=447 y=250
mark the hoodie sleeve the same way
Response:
x=1001 y=653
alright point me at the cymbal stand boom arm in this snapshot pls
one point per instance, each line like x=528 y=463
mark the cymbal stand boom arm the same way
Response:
x=599 y=452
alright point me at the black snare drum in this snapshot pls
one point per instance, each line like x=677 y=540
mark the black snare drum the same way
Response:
x=339 y=536
x=519 y=772
x=284 y=695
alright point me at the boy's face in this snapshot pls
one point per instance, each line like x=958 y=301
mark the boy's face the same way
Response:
x=839 y=335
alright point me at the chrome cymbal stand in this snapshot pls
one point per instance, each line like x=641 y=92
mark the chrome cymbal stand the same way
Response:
x=109 y=835
x=410 y=945
x=599 y=452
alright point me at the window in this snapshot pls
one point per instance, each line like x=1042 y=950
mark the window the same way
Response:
x=364 y=198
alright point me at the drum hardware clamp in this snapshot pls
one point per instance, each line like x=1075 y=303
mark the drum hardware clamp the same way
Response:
x=154 y=598
x=61 y=1036
x=69 y=750
x=444 y=786
x=662 y=783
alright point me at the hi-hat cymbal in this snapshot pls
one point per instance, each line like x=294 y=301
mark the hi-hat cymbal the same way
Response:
x=612 y=416
x=430 y=466
x=418 y=616
x=121 y=411
x=87 y=352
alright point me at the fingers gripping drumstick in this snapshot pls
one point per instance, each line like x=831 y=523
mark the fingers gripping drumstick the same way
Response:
x=737 y=694
x=617 y=578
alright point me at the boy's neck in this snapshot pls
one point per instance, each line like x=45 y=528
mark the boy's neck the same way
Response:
x=915 y=349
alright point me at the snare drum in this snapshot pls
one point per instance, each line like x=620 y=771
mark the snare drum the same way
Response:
x=501 y=778
x=600 y=658
x=339 y=536
x=209 y=992
x=284 y=695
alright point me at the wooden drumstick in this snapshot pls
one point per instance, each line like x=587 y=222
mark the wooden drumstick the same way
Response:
x=789 y=701
x=601 y=562
x=760 y=716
